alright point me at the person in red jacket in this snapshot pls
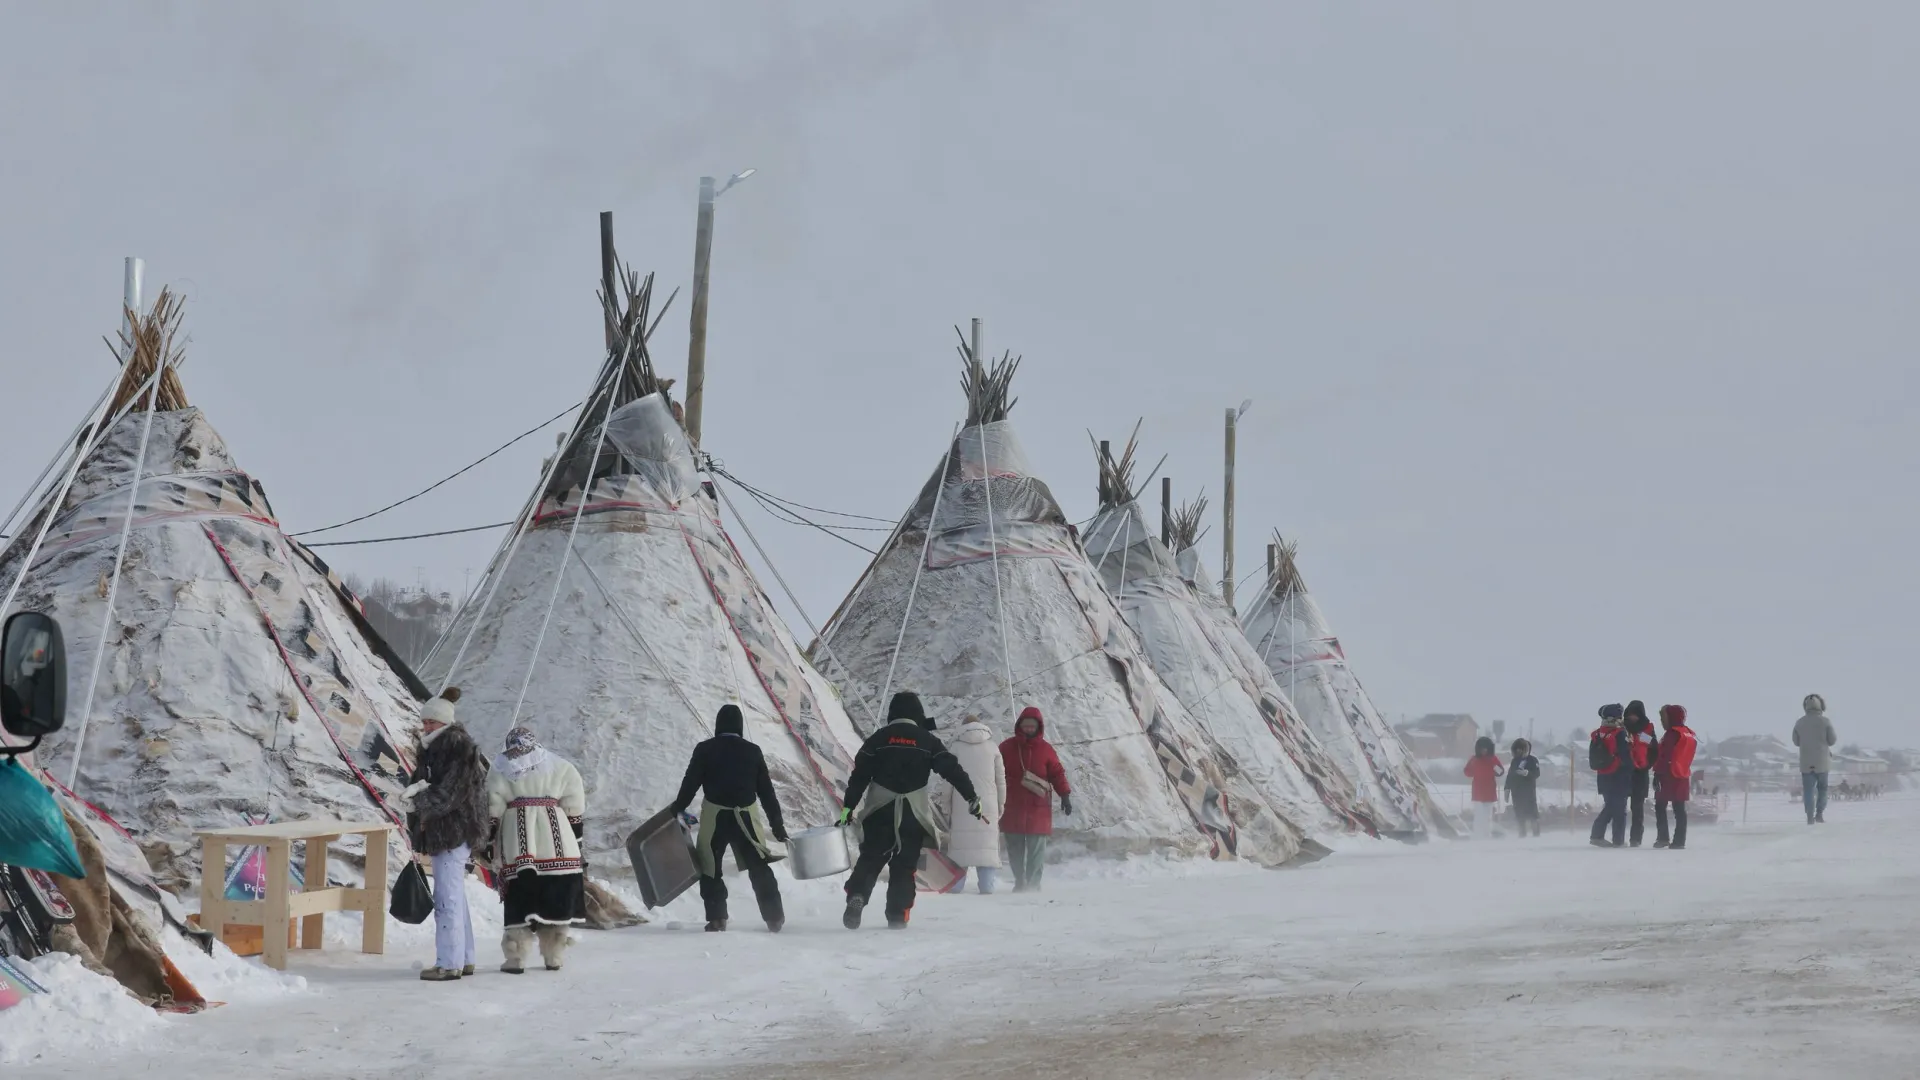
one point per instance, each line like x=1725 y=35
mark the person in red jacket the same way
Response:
x=1610 y=758
x=1034 y=775
x=1484 y=768
x=1673 y=776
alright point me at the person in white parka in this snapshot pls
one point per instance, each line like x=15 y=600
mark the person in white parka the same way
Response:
x=974 y=843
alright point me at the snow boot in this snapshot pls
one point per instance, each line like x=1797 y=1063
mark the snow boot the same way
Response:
x=1677 y=847
x=515 y=944
x=851 y=920
x=439 y=974
x=465 y=971
x=1597 y=842
x=774 y=926
x=716 y=926
x=553 y=946
x=1820 y=818
x=1661 y=844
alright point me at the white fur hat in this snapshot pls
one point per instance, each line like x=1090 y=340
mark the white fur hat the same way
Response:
x=440 y=709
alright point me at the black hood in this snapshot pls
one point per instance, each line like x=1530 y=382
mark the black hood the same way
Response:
x=729 y=722
x=906 y=706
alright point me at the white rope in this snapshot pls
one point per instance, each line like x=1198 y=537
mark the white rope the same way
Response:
x=71 y=439
x=119 y=562
x=993 y=538
x=560 y=572
x=794 y=600
x=53 y=506
x=926 y=545
x=638 y=637
x=498 y=569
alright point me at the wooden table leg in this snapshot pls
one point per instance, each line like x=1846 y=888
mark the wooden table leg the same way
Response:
x=313 y=928
x=213 y=886
x=279 y=881
x=373 y=933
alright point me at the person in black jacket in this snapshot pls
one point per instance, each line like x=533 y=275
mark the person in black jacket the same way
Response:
x=734 y=774
x=891 y=772
x=1523 y=778
x=1643 y=752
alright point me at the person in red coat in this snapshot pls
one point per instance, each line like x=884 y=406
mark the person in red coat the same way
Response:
x=1673 y=776
x=1483 y=768
x=1034 y=775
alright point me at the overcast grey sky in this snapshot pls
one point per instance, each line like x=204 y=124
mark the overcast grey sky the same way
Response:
x=1578 y=335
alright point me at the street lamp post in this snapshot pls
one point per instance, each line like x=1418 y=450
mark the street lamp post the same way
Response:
x=697 y=328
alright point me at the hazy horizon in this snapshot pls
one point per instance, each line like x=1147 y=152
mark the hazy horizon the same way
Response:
x=1576 y=338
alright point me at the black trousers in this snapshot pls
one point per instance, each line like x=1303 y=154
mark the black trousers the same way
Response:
x=727 y=833
x=878 y=848
x=1638 y=829
x=1679 y=820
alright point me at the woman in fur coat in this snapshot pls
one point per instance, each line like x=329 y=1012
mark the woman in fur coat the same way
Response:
x=538 y=804
x=449 y=795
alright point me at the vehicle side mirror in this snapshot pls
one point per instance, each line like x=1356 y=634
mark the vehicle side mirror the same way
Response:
x=33 y=676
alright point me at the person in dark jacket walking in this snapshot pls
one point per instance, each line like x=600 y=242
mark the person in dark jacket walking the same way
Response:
x=733 y=773
x=1523 y=777
x=1611 y=760
x=1034 y=777
x=1673 y=776
x=449 y=795
x=890 y=773
x=1643 y=751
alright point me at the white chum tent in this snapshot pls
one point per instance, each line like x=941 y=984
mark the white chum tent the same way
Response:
x=1198 y=650
x=1288 y=630
x=238 y=679
x=619 y=617
x=983 y=601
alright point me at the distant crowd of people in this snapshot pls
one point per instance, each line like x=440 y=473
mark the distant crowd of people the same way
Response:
x=1629 y=762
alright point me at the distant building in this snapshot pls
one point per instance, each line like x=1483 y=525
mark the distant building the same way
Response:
x=1440 y=735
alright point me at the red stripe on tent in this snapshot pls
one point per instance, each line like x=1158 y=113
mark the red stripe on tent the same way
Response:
x=286 y=658
x=765 y=686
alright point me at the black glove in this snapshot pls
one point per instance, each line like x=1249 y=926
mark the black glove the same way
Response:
x=780 y=833
x=973 y=807
x=1066 y=805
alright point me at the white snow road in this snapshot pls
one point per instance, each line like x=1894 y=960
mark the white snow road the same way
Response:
x=1766 y=950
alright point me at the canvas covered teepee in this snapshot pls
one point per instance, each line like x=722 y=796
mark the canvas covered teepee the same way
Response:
x=983 y=587
x=1197 y=649
x=238 y=679
x=1292 y=636
x=619 y=617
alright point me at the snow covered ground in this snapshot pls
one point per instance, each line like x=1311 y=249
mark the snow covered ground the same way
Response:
x=1766 y=950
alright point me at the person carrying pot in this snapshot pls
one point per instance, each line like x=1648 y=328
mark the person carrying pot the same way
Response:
x=890 y=773
x=1036 y=774
x=733 y=773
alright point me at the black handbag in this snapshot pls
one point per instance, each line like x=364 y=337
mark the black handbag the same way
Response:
x=412 y=901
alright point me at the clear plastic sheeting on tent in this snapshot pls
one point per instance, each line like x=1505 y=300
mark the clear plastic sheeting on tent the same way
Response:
x=1142 y=782
x=1197 y=649
x=1292 y=637
x=656 y=624
x=239 y=678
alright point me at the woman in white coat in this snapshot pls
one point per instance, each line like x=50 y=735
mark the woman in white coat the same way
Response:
x=974 y=843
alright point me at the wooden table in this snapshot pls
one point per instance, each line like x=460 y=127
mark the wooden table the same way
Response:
x=275 y=912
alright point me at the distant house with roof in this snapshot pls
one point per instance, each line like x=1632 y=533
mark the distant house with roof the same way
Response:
x=1440 y=735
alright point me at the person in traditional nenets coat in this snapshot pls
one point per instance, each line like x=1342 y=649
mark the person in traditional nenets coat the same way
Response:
x=733 y=773
x=538 y=804
x=449 y=795
x=890 y=772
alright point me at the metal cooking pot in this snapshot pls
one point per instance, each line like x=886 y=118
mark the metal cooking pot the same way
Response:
x=821 y=852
